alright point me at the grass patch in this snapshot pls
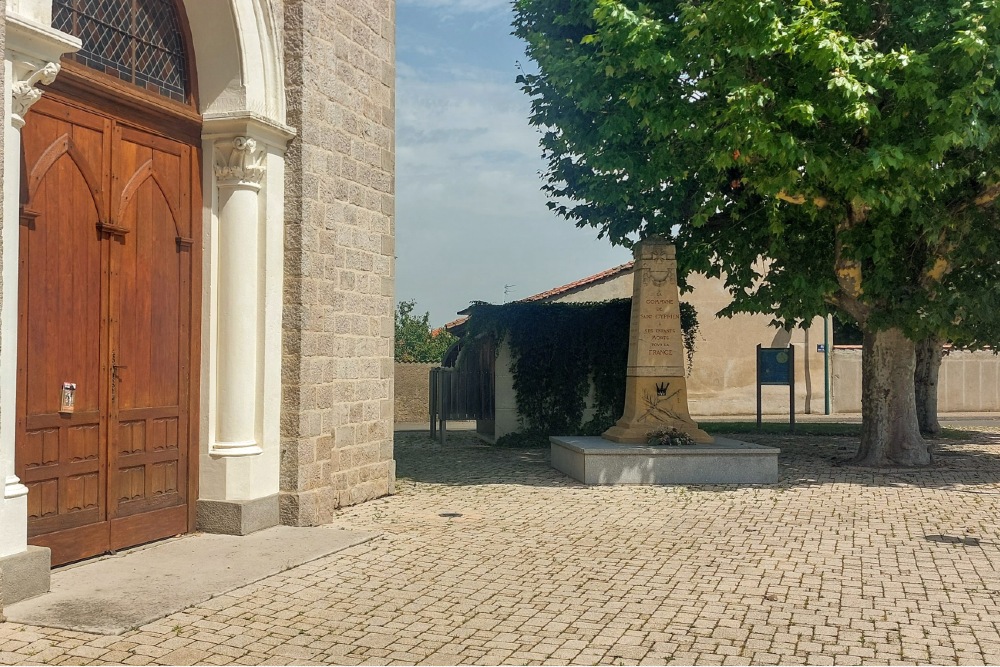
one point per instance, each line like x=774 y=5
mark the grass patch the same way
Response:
x=843 y=429
x=777 y=428
x=538 y=440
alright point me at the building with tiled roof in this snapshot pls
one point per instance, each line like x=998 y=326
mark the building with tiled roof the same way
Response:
x=722 y=376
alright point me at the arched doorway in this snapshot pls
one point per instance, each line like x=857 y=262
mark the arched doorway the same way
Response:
x=109 y=282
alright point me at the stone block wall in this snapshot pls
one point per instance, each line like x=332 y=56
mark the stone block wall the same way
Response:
x=967 y=381
x=337 y=382
x=412 y=395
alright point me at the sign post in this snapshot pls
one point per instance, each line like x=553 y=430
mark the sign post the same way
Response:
x=776 y=366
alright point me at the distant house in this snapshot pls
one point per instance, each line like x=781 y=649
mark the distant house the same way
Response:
x=722 y=376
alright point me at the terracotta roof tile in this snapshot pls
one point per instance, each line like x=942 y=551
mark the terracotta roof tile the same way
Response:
x=583 y=282
x=454 y=323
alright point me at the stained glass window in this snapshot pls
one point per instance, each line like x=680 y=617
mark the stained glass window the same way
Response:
x=138 y=41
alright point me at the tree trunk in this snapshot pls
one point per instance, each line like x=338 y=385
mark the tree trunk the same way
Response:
x=889 y=433
x=925 y=380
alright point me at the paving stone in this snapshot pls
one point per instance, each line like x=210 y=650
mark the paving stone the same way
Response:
x=114 y=657
x=182 y=656
x=832 y=565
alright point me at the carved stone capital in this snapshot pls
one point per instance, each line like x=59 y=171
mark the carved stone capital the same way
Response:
x=24 y=91
x=239 y=163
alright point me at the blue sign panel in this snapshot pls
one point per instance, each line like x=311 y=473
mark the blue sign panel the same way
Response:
x=774 y=366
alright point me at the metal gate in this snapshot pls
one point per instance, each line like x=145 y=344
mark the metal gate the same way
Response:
x=464 y=392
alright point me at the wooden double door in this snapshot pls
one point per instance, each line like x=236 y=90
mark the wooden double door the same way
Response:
x=107 y=304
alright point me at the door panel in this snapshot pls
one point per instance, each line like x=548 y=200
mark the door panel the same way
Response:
x=149 y=456
x=60 y=457
x=106 y=279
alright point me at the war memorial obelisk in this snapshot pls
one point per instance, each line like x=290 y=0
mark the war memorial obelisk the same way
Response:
x=656 y=399
x=655 y=386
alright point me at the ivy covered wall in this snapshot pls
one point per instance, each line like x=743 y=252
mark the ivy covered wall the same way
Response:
x=559 y=353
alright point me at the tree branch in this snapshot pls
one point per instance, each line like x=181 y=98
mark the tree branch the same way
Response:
x=818 y=202
x=988 y=196
x=947 y=243
x=847 y=270
x=882 y=23
x=985 y=198
x=852 y=307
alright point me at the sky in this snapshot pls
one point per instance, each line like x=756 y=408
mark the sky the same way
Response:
x=470 y=215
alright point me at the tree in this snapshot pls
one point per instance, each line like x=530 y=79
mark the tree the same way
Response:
x=974 y=309
x=929 y=353
x=415 y=340
x=852 y=145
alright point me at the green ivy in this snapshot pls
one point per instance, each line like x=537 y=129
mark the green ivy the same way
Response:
x=557 y=350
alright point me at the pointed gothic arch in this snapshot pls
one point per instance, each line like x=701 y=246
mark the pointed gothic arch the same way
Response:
x=147 y=172
x=64 y=145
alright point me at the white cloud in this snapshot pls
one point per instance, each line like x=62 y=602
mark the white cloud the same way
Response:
x=470 y=214
x=466 y=135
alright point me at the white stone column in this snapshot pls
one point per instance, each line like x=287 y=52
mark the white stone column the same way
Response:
x=241 y=340
x=239 y=170
x=31 y=58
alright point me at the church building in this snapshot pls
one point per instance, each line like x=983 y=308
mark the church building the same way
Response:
x=196 y=254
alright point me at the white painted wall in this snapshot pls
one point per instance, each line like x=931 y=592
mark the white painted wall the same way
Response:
x=507 y=420
x=968 y=381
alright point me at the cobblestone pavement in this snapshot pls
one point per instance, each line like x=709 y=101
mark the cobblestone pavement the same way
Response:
x=833 y=565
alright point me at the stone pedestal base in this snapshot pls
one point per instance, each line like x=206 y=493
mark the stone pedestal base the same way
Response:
x=25 y=575
x=638 y=434
x=238 y=517
x=594 y=460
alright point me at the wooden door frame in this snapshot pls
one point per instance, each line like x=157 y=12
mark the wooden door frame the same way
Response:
x=90 y=91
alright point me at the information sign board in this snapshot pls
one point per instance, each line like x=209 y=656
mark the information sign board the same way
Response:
x=776 y=366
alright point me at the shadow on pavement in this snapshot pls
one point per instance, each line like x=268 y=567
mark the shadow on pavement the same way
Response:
x=969 y=464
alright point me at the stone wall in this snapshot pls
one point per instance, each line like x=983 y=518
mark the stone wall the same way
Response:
x=968 y=381
x=338 y=316
x=3 y=86
x=722 y=379
x=412 y=389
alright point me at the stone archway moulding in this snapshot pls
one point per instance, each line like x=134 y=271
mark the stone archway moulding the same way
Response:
x=239 y=59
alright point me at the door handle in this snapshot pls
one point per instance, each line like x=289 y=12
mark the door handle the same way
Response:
x=115 y=376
